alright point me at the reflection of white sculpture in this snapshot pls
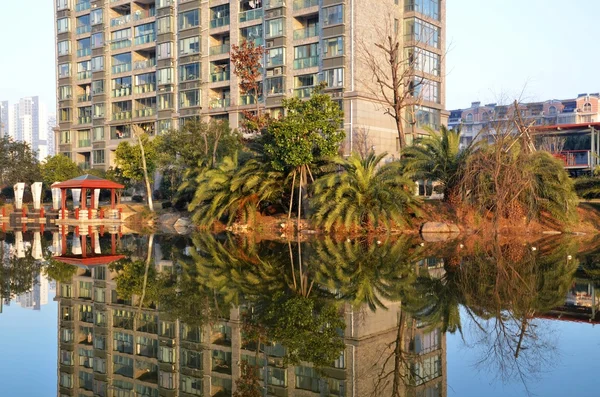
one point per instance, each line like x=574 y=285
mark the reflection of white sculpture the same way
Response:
x=96 y=198
x=19 y=189
x=97 y=243
x=76 y=197
x=56 y=244
x=19 y=244
x=36 y=192
x=36 y=251
x=55 y=198
x=76 y=249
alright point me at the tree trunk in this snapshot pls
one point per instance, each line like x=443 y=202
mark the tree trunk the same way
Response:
x=148 y=260
x=145 y=168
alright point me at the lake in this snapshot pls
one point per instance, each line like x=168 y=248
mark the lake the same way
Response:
x=222 y=315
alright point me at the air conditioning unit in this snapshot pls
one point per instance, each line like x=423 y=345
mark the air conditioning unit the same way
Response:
x=270 y=44
x=277 y=71
x=269 y=73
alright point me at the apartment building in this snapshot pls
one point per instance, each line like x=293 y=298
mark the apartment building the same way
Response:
x=157 y=63
x=6 y=128
x=481 y=120
x=26 y=121
x=109 y=348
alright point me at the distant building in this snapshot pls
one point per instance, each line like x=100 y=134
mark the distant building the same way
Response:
x=6 y=125
x=37 y=297
x=51 y=142
x=472 y=120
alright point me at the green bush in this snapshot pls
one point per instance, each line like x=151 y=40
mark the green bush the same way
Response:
x=587 y=187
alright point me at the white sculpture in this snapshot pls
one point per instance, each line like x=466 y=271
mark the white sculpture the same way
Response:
x=19 y=188
x=36 y=192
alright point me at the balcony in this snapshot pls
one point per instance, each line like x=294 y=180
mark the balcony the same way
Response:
x=219 y=22
x=219 y=76
x=220 y=103
x=145 y=39
x=125 y=19
x=84 y=143
x=144 y=64
x=304 y=92
x=84 y=98
x=274 y=4
x=122 y=115
x=144 y=14
x=303 y=63
x=84 y=120
x=82 y=6
x=144 y=88
x=249 y=100
x=251 y=15
x=220 y=49
x=300 y=4
x=275 y=61
x=120 y=43
x=84 y=52
x=123 y=91
x=83 y=29
x=146 y=112
x=311 y=31
x=122 y=68
x=87 y=74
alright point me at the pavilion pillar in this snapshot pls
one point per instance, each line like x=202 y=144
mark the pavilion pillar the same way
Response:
x=92 y=203
x=112 y=199
x=113 y=244
x=63 y=201
x=591 y=160
x=64 y=240
x=83 y=245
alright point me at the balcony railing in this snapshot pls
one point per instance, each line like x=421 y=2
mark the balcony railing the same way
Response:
x=219 y=22
x=145 y=39
x=146 y=112
x=304 y=63
x=220 y=103
x=84 y=98
x=305 y=33
x=251 y=15
x=120 y=43
x=84 y=143
x=122 y=115
x=144 y=88
x=120 y=20
x=249 y=100
x=83 y=52
x=83 y=29
x=300 y=4
x=144 y=64
x=220 y=76
x=274 y=4
x=122 y=68
x=144 y=14
x=304 y=92
x=87 y=74
x=84 y=119
x=123 y=91
x=574 y=158
x=82 y=6
x=258 y=41
x=220 y=49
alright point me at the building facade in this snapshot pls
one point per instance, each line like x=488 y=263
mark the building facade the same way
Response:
x=156 y=63
x=26 y=121
x=479 y=121
x=6 y=125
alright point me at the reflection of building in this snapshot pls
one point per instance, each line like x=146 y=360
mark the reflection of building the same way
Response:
x=582 y=304
x=109 y=348
x=37 y=297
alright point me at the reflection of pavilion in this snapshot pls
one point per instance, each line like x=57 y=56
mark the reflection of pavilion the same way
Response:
x=582 y=304
x=80 y=255
x=109 y=348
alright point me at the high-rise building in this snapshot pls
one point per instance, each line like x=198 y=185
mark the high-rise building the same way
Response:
x=28 y=123
x=157 y=63
x=6 y=124
x=50 y=135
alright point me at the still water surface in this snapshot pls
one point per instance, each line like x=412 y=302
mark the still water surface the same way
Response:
x=322 y=318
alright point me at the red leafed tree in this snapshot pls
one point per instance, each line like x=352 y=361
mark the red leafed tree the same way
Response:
x=246 y=59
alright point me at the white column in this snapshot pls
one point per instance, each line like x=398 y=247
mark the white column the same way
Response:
x=96 y=197
x=55 y=198
x=97 y=243
x=36 y=192
x=56 y=244
x=76 y=246
x=76 y=197
x=36 y=250
x=19 y=244
x=19 y=188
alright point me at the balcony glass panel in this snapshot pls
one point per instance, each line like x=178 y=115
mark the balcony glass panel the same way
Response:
x=251 y=15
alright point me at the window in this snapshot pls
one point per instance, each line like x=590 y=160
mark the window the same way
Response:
x=64 y=48
x=587 y=107
x=86 y=358
x=429 y=8
x=98 y=158
x=167 y=329
x=66 y=357
x=274 y=86
x=84 y=47
x=123 y=342
x=96 y=17
x=85 y=288
x=66 y=380
x=190 y=71
x=146 y=347
x=189 y=19
x=166 y=354
x=252 y=32
x=334 y=77
x=164 y=76
x=86 y=313
x=97 y=40
x=163 y=25
x=424 y=61
x=191 y=333
x=275 y=56
x=189 y=98
x=427 y=369
x=100 y=342
x=163 y=50
x=83 y=24
x=66 y=290
x=552 y=111
x=62 y=25
x=427 y=90
x=97 y=63
x=99 y=365
x=306 y=56
x=165 y=379
x=191 y=359
x=64 y=70
x=123 y=366
x=428 y=342
x=165 y=101
x=65 y=137
x=333 y=15
x=333 y=47
x=274 y=27
x=307 y=379
x=98 y=135
x=418 y=30
x=64 y=115
x=63 y=4
x=191 y=385
x=470 y=118
x=97 y=87
x=189 y=45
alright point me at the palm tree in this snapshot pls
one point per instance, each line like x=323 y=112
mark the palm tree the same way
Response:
x=438 y=157
x=234 y=192
x=365 y=194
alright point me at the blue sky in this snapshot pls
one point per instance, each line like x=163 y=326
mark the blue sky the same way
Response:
x=498 y=48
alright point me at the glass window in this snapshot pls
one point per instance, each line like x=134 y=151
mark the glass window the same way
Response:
x=97 y=40
x=62 y=25
x=189 y=19
x=333 y=15
x=333 y=47
x=163 y=50
x=416 y=29
x=334 y=77
x=97 y=87
x=189 y=45
x=423 y=60
x=274 y=85
x=275 y=56
x=427 y=90
x=64 y=48
x=64 y=70
x=430 y=8
x=191 y=385
x=274 y=27
x=163 y=25
x=97 y=63
x=190 y=71
x=164 y=76
x=63 y=4
x=96 y=16
x=189 y=98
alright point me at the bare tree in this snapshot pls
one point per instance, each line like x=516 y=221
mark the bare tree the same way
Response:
x=363 y=144
x=138 y=132
x=395 y=72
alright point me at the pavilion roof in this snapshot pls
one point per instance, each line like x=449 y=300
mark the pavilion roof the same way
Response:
x=87 y=181
x=91 y=260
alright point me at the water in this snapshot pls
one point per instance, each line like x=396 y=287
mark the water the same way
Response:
x=318 y=318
